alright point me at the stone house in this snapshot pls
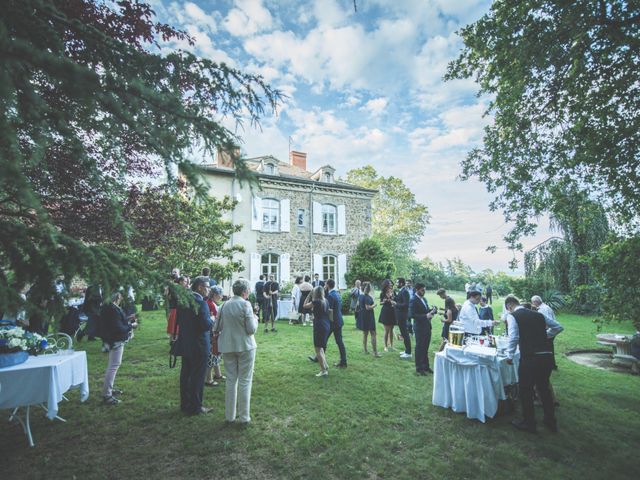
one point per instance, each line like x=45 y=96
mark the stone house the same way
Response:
x=296 y=222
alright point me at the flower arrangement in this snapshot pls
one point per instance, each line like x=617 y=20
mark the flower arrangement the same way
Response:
x=16 y=339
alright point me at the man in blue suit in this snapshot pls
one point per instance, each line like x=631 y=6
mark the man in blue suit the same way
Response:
x=335 y=303
x=194 y=345
x=422 y=315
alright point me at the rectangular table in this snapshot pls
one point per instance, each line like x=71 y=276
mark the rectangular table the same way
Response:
x=472 y=380
x=42 y=380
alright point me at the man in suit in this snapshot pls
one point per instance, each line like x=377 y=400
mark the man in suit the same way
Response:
x=422 y=315
x=402 y=299
x=259 y=292
x=529 y=330
x=266 y=303
x=274 y=291
x=335 y=303
x=194 y=345
x=316 y=281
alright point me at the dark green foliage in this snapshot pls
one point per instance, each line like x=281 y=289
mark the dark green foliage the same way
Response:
x=563 y=81
x=370 y=263
x=87 y=106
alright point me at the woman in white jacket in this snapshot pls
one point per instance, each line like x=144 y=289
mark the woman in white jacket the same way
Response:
x=237 y=325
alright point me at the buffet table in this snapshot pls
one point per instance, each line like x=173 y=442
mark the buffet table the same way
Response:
x=472 y=380
x=42 y=380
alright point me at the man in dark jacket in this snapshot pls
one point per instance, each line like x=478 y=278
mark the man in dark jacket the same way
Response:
x=403 y=297
x=422 y=315
x=194 y=345
x=335 y=303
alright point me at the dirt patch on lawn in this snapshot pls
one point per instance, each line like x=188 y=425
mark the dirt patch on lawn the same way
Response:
x=601 y=359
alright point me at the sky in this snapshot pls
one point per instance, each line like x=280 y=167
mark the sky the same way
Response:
x=365 y=87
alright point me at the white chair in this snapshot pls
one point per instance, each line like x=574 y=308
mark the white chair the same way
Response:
x=57 y=342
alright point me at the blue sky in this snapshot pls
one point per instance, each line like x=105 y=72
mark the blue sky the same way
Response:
x=364 y=88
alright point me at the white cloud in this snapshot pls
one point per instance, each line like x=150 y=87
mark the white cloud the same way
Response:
x=248 y=18
x=376 y=106
x=196 y=15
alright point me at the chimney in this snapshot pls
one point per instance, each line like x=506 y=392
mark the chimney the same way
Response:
x=298 y=159
x=225 y=158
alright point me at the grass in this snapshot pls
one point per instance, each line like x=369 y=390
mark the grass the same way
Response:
x=372 y=420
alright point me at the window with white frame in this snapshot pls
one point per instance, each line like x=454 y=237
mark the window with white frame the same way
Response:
x=329 y=219
x=270 y=169
x=301 y=218
x=329 y=267
x=270 y=215
x=269 y=265
x=327 y=177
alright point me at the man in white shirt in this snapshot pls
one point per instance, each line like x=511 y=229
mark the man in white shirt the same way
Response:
x=469 y=315
x=530 y=331
x=547 y=311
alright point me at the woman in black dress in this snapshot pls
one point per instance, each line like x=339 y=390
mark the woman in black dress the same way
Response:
x=321 y=326
x=387 y=313
x=367 y=318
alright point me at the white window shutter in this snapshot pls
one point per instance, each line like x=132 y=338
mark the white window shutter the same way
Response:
x=342 y=271
x=256 y=213
x=342 y=220
x=317 y=265
x=317 y=217
x=256 y=260
x=285 y=268
x=285 y=214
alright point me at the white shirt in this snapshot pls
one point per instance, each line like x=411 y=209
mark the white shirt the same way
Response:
x=470 y=319
x=553 y=329
x=295 y=296
x=547 y=311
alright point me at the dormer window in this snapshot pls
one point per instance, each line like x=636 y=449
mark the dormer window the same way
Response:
x=327 y=177
x=270 y=169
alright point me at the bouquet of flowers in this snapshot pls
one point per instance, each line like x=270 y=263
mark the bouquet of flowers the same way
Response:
x=15 y=339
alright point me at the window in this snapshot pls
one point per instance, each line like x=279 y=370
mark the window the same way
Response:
x=269 y=265
x=270 y=169
x=329 y=219
x=301 y=218
x=327 y=177
x=329 y=267
x=270 y=215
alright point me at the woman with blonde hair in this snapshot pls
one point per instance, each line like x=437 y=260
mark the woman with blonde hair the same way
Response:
x=321 y=326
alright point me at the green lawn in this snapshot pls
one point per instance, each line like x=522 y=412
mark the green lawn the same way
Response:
x=372 y=420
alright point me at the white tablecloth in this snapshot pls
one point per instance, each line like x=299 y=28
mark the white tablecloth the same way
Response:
x=44 y=379
x=472 y=380
x=284 y=307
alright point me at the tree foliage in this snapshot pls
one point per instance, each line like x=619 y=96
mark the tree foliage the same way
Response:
x=370 y=263
x=87 y=107
x=398 y=221
x=562 y=77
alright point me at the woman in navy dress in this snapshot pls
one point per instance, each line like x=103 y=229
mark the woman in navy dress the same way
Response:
x=367 y=318
x=387 y=313
x=321 y=326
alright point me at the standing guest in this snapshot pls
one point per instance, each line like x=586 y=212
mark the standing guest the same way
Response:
x=91 y=307
x=489 y=294
x=172 y=300
x=237 y=326
x=194 y=345
x=305 y=290
x=205 y=274
x=275 y=290
x=409 y=285
x=401 y=309
x=321 y=326
x=469 y=315
x=529 y=330
x=266 y=306
x=295 y=297
x=368 y=319
x=259 y=292
x=115 y=331
x=547 y=311
x=450 y=312
x=213 y=373
x=316 y=281
x=485 y=312
x=387 y=315
x=354 y=297
x=422 y=314
x=335 y=303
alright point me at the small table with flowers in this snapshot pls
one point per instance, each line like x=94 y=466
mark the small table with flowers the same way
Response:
x=42 y=380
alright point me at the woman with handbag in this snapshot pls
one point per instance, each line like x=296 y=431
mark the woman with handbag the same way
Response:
x=213 y=362
x=321 y=326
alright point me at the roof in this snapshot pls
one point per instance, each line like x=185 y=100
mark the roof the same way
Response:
x=285 y=171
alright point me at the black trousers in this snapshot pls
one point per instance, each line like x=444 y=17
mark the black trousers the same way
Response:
x=337 y=335
x=401 y=317
x=192 y=372
x=422 y=332
x=274 y=308
x=534 y=372
x=266 y=309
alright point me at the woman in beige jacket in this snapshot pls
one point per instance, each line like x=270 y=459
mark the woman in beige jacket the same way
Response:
x=237 y=325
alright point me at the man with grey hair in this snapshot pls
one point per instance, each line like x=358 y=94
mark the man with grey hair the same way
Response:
x=237 y=325
x=547 y=311
x=194 y=345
